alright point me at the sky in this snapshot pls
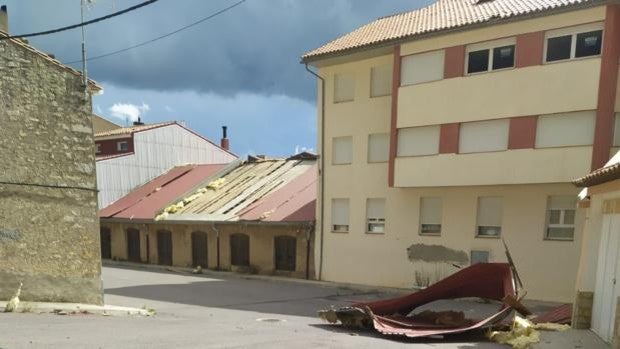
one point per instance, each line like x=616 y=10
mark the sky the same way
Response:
x=240 y=69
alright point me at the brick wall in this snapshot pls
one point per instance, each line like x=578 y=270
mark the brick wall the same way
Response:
x=48 y=236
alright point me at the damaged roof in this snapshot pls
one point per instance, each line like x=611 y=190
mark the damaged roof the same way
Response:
x=274 y=190
x=146 y=201
x=443 y=15
x=121 y=131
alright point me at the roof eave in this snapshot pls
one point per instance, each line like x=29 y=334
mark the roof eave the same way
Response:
x=392 y=42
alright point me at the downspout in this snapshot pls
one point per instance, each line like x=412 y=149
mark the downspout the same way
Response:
x=217 y=244
x=308 y=237
x=321 y=170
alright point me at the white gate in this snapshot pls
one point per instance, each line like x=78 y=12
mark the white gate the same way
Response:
x=606 y=291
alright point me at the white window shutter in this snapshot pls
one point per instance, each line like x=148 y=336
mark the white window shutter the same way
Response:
x=340 y=211
x=378 y=147
x=490 y=211
x=430 y=210
x=417 y=141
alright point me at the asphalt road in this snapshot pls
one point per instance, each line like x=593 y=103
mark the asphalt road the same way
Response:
x=222 y=311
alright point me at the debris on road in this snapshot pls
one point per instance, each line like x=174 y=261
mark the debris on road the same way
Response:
x=14 y=301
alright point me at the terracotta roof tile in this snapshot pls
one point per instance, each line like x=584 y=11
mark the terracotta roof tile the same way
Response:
x=600 y=176
x=132 y=129
x=441 y=15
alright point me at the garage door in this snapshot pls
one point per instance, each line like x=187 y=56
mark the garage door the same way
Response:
x=606 y=290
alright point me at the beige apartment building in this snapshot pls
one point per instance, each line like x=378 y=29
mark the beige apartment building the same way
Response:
x=446 y=129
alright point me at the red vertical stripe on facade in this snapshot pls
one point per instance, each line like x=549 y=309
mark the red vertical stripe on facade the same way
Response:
x=454 y=62
x=449 y=138
x=530 y=48
x=603 y=132
x=394 y=115
x=522 y=132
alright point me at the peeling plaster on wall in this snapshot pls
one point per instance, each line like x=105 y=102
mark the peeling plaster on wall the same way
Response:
x=436 y=254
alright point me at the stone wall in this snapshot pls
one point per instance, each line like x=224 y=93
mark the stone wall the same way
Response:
x=49 y=237
x=582 y=310
x=261 y=242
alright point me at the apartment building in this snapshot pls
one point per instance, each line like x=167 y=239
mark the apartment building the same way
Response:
x=446 y=129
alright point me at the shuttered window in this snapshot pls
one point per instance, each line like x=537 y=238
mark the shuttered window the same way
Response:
x=378 y=147
x=484 y=136
x=381 y=81
x=565 y=129
x=489 y=216
x=340 y=215
x=375 y=215
x=430 y=216
x=417 y=141
x=561 y=217
x=344 y=87
x=342 y=150
x=422 y=67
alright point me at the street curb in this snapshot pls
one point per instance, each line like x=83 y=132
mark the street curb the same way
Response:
x=230 y=274
x=78 y=309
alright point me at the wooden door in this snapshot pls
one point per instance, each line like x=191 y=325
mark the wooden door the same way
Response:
x=105 y=237
x=285 y=252
x=133 y=245
x=240 y=250
x=199 y=249
x=164 y=247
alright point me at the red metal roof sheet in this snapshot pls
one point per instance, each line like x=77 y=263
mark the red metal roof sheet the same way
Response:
x=294 y=202
x=146 y=201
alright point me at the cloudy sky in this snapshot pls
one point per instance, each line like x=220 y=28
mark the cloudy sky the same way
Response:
x=239 y=69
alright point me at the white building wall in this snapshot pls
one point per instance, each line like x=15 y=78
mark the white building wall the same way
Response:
x=155 y=152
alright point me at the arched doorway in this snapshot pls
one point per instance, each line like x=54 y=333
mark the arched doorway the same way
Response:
x=240 y=250
x=164 y=247
x=200 y=249
x=133 y=245
x=105 y=237
x=285 y=252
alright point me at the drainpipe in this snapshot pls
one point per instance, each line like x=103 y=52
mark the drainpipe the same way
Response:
x=217 y=236
x=308 y=237
x=321 y=170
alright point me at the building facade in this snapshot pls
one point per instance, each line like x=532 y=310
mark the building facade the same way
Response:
x=256 y=217
x=447 y=129
x=128 y=157
x=49 y=227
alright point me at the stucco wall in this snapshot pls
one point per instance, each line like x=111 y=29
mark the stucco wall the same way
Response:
x=49 y=237
x=261 y=245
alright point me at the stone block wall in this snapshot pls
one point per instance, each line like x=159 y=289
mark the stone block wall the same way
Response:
x=582 y=310
x=49 y=237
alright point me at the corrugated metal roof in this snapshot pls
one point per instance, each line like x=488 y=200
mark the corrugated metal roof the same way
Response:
x=146 y=201
x=441 y=15
x=267 y=190
x=132 y=129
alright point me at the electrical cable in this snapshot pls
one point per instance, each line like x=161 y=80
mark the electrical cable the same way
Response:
x=58 y=30
x=52 y=186
x=162 y=36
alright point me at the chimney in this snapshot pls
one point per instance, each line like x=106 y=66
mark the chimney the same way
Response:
x=4 y=19
x=139 y=122
x=224 y=143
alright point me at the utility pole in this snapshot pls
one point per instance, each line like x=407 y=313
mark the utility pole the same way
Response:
x=84 y=73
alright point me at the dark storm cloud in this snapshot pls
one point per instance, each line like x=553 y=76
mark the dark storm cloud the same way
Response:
x=254 y=48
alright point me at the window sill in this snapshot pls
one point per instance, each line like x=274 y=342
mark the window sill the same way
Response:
x=374 y=233
x=339 y=232
x=346 y=101
x=488 y=237
x=380 y=96
x=558 y=239
x=422 y=234
x=545 y=62
x=342 y=164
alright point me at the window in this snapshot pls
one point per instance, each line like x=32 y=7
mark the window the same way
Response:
x=340 y=215
x=479 y=257
x=617 y=131
x=344 y=87
x=565 y=129
x=422 y=67
x=98 y=148
x=378 y=147
x=494 y=55
x=122 y=146
x=489 y=217
x=342 y=151
x=575 y=42
x=484 y=136
x=375 y=215
x=430 y=216
x=417 y=141
x=561 y=217
x=381 y=81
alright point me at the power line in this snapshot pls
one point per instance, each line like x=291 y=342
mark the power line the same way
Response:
x=163 y=36
x=52 y=31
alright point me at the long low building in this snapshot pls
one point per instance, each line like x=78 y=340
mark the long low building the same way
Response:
x=257 y=217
